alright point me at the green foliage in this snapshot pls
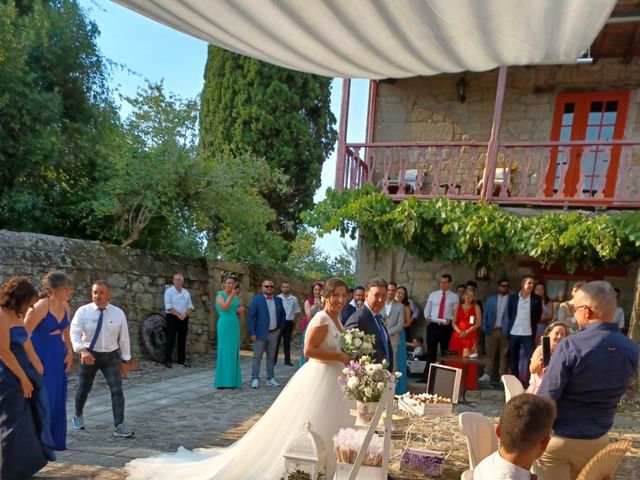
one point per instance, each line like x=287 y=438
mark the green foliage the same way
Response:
x=280 y=115
x=478 y=233
x=308 y=261
x=57 y=120
x=159 y=194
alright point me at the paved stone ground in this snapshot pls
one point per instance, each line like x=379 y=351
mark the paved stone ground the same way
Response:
x=179 y=406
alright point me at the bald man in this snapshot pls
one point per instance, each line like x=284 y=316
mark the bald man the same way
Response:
x=588 y=374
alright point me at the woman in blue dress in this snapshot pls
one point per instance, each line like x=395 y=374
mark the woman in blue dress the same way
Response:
x=228 y=330
x=25 y=441
x=48 y=324
x=402 y=296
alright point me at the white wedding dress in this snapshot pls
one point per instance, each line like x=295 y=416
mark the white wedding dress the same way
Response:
x=311 y=395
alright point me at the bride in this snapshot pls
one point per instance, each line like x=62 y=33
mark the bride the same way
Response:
x=312 y=395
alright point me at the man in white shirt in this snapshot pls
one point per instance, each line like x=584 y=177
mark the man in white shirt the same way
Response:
x=177 y=304
x=524 y=432
x=439 y=313
x=99 y=333
x=291 y=309
x=524 y=310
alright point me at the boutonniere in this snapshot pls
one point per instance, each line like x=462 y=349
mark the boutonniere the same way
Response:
x=385 y=320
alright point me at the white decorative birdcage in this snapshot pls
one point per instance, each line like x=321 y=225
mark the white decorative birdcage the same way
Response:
x=305 y=457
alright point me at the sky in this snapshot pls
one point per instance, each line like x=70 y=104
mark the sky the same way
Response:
x=152 y=51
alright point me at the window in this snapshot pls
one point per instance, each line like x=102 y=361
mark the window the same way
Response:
x=586 y=171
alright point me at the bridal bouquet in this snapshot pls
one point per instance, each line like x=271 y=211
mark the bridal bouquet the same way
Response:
x=365 y=381
x=356 y=343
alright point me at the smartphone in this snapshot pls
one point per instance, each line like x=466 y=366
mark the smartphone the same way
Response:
x=546 y=350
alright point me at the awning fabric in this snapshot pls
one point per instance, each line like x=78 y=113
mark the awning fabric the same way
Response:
x=389 y=38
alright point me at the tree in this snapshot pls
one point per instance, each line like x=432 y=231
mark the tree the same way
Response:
x=159 y=193
x=57 y=119
x=275 y=113
x=308 y=260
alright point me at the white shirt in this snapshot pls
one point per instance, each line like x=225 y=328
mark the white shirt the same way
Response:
x=522 y=323
x=271 y=306
x=494 y=467
x=502 y=304
x=178 y=300
x=291 y=306
x=114 y=333
x=619 y=317
x=432 y=307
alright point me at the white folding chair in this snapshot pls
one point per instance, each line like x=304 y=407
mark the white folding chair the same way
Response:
x=512 y=387
x=480 y=433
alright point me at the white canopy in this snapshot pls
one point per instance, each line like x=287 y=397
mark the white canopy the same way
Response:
x=389 y=38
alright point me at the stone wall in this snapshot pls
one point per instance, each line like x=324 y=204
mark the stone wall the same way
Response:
x=424 y=109
x=421 y=278
x=137 y=279
x=427 y=108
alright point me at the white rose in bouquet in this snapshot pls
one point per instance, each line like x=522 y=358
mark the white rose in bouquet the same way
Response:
x=368 y=391
x=370 y=368
x=367 y=346
x=352 y=382
x=381 y=386
x=357 y=342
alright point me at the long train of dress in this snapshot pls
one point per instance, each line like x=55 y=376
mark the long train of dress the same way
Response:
x=311 y=395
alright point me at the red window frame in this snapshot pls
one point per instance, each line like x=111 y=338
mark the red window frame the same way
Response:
x=582 y=102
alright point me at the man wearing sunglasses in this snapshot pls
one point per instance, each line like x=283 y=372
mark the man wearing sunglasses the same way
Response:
x=265 y=321
x=588 y=374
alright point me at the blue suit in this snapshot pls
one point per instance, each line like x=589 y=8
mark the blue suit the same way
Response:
x=346 y=312
x=489 y=316
x=258 y=317
x=363 y=319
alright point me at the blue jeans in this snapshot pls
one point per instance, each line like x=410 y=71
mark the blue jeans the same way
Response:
x=515 y=341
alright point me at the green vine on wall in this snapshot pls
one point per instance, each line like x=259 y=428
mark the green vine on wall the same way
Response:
x=478 y=233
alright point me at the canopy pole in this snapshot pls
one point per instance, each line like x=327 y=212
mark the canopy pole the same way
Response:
x=488 y=177
x=342 y=134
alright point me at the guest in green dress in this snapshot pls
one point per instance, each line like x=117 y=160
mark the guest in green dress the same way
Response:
x=228 y=327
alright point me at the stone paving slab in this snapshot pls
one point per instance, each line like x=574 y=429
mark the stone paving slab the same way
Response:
x=172 y=407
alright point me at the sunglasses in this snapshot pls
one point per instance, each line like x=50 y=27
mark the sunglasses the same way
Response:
x=267 y=286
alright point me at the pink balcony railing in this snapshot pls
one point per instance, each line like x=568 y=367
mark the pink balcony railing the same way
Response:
x=588 y=174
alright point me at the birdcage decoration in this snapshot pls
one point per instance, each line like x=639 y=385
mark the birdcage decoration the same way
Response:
x=305 y=457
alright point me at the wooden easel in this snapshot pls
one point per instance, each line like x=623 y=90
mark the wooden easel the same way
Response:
x=386 y=405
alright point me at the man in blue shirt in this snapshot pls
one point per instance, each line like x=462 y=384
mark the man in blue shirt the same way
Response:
x=588 y=374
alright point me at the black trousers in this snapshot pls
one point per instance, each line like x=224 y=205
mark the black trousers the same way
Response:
x=109 y=364
x=285 y=336
x=178 y=327
x=436 y=335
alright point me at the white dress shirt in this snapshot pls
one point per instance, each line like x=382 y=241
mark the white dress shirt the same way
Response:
x=114 y=333
x=522 y=323
x=291 y=306
x=494 y=467
x=502 y=304
x=178 y=300
x=432 y=307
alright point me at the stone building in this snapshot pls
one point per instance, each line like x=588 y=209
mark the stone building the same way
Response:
x=529 y=138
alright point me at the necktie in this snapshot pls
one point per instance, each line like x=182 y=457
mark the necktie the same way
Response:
x=98 y=328
x=442 y=304
x=269 y=297
x=383 y=335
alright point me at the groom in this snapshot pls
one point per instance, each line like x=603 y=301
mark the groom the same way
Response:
x=369 y=319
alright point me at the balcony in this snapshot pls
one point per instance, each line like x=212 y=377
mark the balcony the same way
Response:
x=591 y=174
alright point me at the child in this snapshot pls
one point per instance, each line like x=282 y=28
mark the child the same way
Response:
x=416 y=344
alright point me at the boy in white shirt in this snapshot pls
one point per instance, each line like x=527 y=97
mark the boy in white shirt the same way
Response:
x=524 y=431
